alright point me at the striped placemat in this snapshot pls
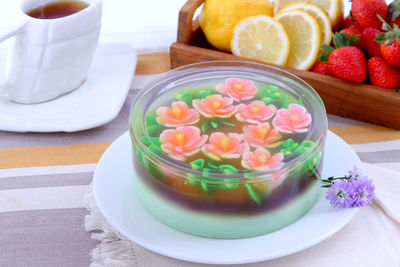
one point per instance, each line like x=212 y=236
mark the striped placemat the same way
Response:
x=44 y=176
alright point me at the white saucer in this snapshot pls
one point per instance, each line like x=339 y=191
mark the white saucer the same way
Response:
x=96 y=102
x=115 y=196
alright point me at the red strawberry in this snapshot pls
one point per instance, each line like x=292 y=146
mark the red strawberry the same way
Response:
x=391 y=52
x=346 y=61
x=365 y=11
x=390 y=44
x=349 y=63
x=382 y=74
x=357 y=31
x=394 y=13
x=373 y=48
x=321 y=67
x=348 y=21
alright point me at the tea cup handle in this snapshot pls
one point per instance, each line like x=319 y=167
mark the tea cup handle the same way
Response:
x=10 y=30
x=6 y=32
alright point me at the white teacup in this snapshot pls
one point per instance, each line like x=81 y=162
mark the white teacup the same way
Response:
x=49 y=57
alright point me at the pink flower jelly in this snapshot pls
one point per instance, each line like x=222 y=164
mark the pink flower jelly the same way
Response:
x=227 y=149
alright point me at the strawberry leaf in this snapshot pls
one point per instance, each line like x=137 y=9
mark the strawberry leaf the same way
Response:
x=396 y=31
x=352 y=39
x=326 y=50
x=395 y=9
x=340 y=39
x=380 y=38
x=391 y=35
x=395 y=14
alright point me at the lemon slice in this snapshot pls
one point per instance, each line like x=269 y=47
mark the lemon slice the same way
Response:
x=218 y=18
x=333 y=8
x=318 y=14
x=304 y=37
x=261 y=38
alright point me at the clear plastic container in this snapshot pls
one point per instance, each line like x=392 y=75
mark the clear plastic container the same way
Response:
x=260 y=187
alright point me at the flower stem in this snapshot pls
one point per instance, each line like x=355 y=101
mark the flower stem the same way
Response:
x=330 y=179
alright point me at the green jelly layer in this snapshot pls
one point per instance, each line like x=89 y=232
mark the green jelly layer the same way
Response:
x=214 y=225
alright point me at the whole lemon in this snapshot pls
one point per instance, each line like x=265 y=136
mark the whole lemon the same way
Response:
x=219 y=17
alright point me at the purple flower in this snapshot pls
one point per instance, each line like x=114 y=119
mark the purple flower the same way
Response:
x=364 y=192
x=354 y=190
x=354 y=173
x=341 y=194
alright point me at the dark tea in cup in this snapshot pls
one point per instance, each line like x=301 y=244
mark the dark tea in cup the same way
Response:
x=56 y=10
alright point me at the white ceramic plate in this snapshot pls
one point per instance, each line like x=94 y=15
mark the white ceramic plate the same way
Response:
x=115 y=196
x=96 y=102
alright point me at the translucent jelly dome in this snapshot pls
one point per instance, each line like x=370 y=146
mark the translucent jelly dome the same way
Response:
x=248 y=119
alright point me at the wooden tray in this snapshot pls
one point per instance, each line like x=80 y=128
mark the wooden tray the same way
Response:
x=357 y=101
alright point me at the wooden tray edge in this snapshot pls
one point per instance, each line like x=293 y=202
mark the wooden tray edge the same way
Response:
x=357 y=101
